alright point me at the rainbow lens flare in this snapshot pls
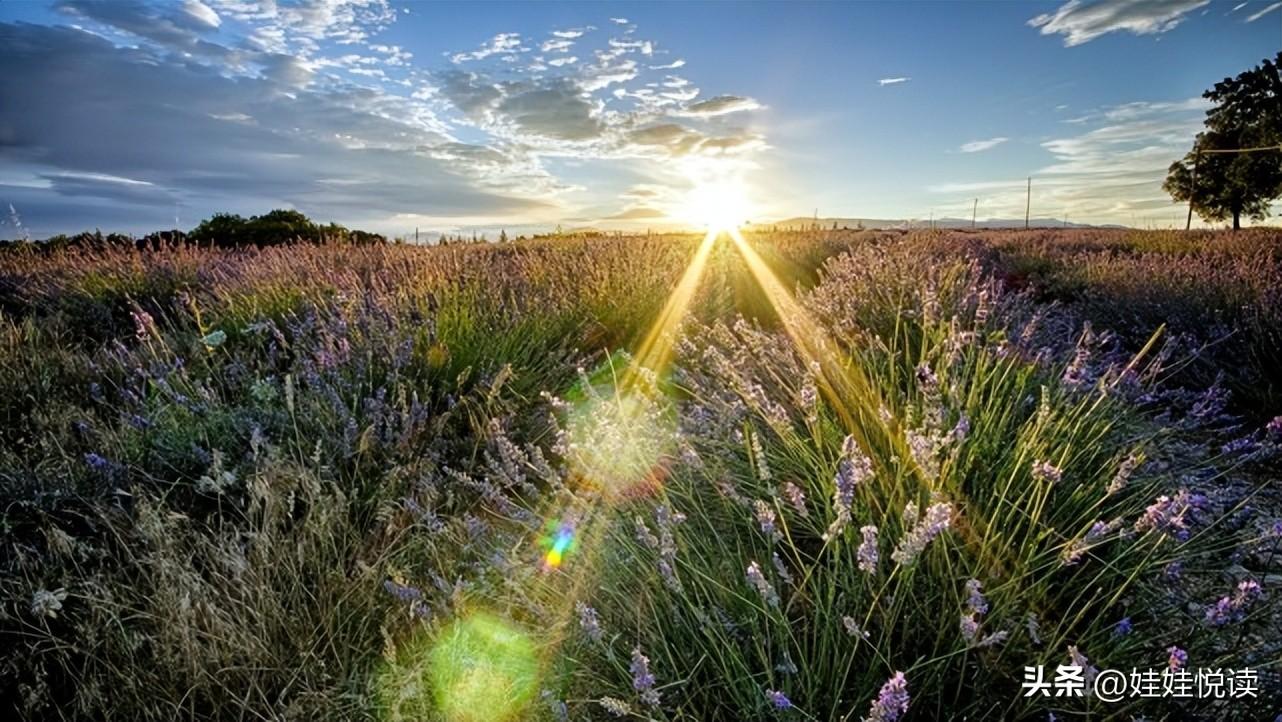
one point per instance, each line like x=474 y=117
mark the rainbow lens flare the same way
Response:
x=558 y=543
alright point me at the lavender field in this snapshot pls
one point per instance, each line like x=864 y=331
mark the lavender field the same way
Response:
x=801 y=475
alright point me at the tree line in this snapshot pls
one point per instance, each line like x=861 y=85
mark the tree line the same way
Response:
x=222 y=230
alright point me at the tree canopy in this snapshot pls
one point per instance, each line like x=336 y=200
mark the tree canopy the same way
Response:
x=277 y=227
x=1247 y=113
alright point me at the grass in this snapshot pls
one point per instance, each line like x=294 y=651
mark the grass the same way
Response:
x=327 y=482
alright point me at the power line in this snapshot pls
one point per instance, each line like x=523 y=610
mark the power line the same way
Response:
x=1197 y=154
x=1239 y=150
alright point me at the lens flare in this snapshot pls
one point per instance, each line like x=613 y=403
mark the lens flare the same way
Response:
x=559 y=542
x=620 y=431
x=483 y=668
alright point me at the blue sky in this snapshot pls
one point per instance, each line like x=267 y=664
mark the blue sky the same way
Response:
x=389 y=115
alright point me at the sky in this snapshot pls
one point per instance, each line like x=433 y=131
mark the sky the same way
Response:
x=132 y=115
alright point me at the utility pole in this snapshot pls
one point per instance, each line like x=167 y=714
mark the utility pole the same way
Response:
x=1188 y=223
x=973 y=210
x=1028 y=202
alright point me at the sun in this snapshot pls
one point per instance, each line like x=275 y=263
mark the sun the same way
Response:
x=720 y=205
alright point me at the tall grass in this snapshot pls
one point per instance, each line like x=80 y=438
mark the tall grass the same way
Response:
x=266 y=484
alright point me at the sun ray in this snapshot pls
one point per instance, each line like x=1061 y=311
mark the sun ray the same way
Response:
x=847 y=388
x=656 y=350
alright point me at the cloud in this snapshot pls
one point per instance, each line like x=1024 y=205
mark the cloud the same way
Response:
x=637 y=213
x=202 y=13
x=1110 y=171
x=174 y=27
x=1141 y=109
x=619 y=21
x=975 y=146
x=556 y=111
x=720 y=105
x=1265 y=11
x=556 y=46
x=892 y=81
x=678 y=141
x=503 y=43
x=1082 y=22
x=153 y=107
x=185 y=135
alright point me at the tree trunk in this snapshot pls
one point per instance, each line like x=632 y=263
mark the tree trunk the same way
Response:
x=1237 y=219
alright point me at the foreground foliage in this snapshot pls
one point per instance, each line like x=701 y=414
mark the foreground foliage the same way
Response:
x=402 y=483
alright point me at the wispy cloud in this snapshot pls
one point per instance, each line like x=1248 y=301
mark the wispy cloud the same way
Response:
x=892 y=81
x=202 y=13
x=503 y=43
x=1080 y=22
x=976 y=146
x=1265 y=11
x=1110 y=171
x=720 y=105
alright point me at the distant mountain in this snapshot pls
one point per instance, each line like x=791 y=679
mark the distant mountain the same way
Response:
x=806 y=222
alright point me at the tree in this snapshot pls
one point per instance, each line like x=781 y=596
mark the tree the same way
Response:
x=224 y=230
x=1247 y=113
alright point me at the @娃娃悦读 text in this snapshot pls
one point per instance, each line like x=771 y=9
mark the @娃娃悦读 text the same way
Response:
x=1113 y=685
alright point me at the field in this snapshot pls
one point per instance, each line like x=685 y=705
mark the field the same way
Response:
x=802 y=475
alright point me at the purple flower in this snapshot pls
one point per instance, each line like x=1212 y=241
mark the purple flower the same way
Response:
x=867 y=552
x=762 y=585
x=642 y=679
x=891 y=702
x=1122 y=628
x=778 y=699
x=1173 y=515
x=927 y=378
x=1047 y=472
x=1177 y=659
x=1089 y=671
x=976 y=608
x=1220 y=613
x=403 y=592
x=853 y=628
x=143 y=324
x=975 y=601
x=1274 y=428
x=1073 y=552
x=938 y=518
x=766 y=520
x=781 y=569
x=99 y=463
x=1234 y=609
x=1241 y=445
x=852 y=469
x=1124 y=471
x=589 y=621
x=795 y=496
